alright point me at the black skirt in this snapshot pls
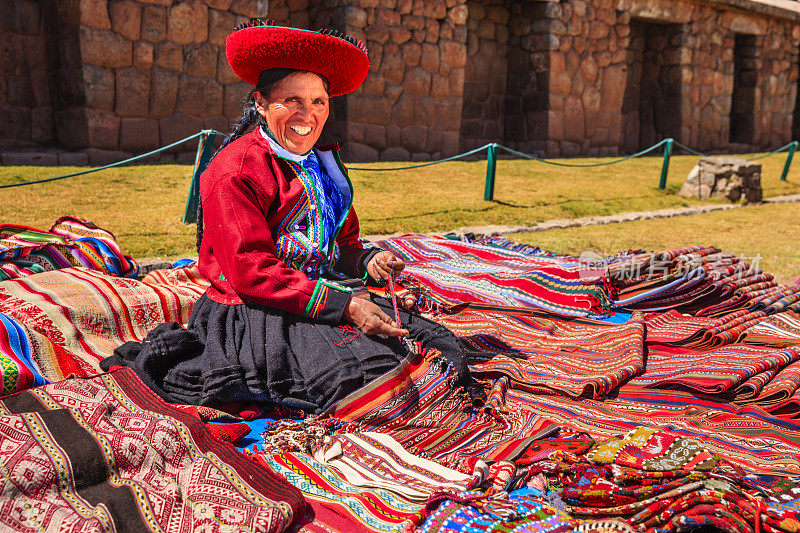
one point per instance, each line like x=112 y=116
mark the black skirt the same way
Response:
x=250 y=353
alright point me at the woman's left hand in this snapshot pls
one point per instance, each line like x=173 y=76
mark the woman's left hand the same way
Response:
x=383 y=264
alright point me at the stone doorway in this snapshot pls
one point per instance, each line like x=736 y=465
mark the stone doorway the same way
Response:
x=651 y=106
x=745 y=80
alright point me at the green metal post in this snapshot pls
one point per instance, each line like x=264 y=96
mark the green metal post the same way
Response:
x=205 y=148
x=792 y=148
x=491 y=167
x=665 y=165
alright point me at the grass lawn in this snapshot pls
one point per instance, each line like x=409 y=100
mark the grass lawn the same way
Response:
x=143 y=205
x=769 y=232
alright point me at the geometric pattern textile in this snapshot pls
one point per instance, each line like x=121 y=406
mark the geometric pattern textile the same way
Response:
x=450 y=272
x=105 y=453
x=540 y=352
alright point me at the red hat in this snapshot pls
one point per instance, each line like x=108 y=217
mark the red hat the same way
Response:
x=258 y=45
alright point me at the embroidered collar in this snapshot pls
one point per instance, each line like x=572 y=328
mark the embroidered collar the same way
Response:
x=280 y=150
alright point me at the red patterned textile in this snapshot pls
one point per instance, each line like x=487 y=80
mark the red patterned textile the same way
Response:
x=75 y=317
x=450 y=272
x=105 y=453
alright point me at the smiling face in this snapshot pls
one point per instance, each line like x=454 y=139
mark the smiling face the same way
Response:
x=296 y=111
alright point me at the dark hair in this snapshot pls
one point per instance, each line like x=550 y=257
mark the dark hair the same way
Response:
x=267 y=82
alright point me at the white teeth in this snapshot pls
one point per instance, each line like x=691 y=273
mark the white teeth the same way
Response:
x=301 y=130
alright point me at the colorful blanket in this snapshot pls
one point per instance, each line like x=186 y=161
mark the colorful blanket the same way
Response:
x=69 y=242
x=105 y=453
x=709 y=359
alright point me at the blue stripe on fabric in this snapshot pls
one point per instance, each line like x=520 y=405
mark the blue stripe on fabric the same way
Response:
x=20 y=344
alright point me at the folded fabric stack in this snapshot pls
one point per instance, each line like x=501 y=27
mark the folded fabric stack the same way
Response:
x=647 y=392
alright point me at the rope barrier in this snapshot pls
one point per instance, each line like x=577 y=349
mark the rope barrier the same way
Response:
x=781 y=149
x=601 y=164
x=459 y=156
x=110 y=165
x=690 y=150
x=205 y=148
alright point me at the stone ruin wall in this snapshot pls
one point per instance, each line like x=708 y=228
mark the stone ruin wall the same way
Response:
x=26 y=108
x=555 y=78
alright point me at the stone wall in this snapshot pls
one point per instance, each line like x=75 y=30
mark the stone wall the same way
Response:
x=570 y=77
x=410 y=106
x=593 y=40
x=26 y=108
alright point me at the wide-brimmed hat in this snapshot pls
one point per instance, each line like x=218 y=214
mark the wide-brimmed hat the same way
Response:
x=258 y=45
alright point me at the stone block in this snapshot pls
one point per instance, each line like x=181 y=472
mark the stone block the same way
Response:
x=355 y=16
x=94 y=13
x=200 y=60
x=143 y=54
x=414 y=138
x=104 y=48
x=411 y=53
x=71 y=130
x=222 y=5
x=126 y=18
x=219 y=123
x=102 y=128
x=458 y=14
x=400 y=34
x=453 y=53
x=98 y=157
x=30 y=159
x=199 y=96
x=42 y=125
x=251 y=8
x=368 y=109
x=132 y=92
x=358 y=152
x=154 y=23
x=138 y=135
x=395 y=153
x=220 y=24
x=233 y=97
x=374 y=84
x=224 y=72
x=402 y=113
x=168 y=55
x=187 y=22
x=163 y=93
x=98 y=86
x=73 y=159
x=417 y=81
x=177 y=127
x=724 y=177
x=392 y=65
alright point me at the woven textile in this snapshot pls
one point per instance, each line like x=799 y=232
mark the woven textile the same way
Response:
x=67 y=320
x=450 y=272
x=521 y=514
x=69 y=242
x=541 y=352
x=337 y=504
x=105 y=453
x=748 y=437
x=418 y=405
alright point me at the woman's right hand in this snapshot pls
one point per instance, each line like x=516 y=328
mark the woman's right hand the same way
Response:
x=370 y=319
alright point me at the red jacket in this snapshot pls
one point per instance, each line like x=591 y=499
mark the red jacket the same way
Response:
x=261 y=232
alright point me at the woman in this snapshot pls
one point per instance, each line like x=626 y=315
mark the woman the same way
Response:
x=277 y=236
